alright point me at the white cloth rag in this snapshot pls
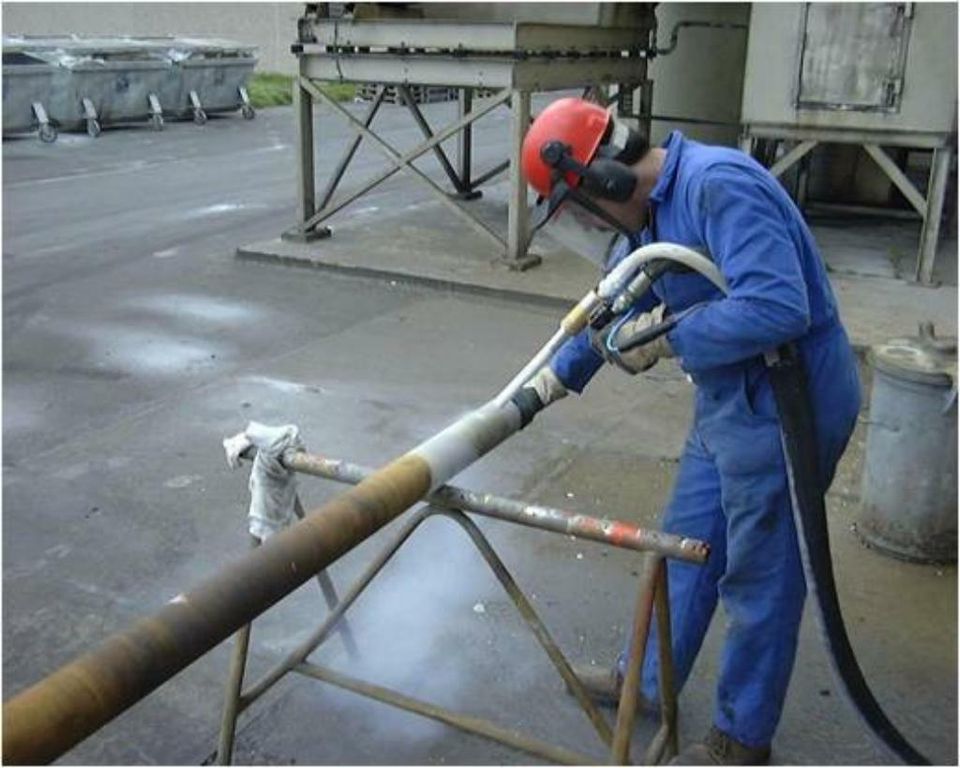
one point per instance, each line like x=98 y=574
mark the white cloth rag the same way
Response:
x=273 y=488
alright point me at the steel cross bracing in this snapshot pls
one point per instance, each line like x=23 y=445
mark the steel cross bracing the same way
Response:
x=452 y=502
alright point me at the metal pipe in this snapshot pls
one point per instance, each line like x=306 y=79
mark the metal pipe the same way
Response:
x=614 y=532
x=533 y=622
x=630 y=690
x=668 y=690
x=50 y=717
x=553 y=754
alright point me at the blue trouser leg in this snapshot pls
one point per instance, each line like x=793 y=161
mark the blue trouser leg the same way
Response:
x=763 y=588
x=694 y=511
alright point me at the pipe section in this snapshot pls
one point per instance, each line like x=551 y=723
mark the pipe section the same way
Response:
x=55 y=714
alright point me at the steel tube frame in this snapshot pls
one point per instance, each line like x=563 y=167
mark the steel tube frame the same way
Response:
x=603 y=530
x=652 y=591
x=48 y=718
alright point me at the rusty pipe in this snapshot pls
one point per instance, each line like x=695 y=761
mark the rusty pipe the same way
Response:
x=604 y=530
x=55 y=714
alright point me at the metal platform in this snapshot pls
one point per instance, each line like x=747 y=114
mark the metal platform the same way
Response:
x=514 y=59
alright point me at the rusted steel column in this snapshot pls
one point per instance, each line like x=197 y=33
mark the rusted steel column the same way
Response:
x=47 y=719
x=615 y=532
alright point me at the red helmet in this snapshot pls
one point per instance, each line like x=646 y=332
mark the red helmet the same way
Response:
x=577 y=123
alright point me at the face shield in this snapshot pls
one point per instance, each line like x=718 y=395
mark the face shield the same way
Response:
x=577 y=223
x=581 y=232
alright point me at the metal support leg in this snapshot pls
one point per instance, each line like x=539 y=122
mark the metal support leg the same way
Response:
x=746 y=144
x=306 y=172
x=630 y=691
x=465 y=148
x=231 y=702
x=930 y=234
x=668 y=692
x=330 y=596
x=518 y=234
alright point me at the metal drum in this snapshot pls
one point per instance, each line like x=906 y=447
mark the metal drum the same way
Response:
x=909 y=492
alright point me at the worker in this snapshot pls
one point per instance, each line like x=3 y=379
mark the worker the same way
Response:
x=596 y=174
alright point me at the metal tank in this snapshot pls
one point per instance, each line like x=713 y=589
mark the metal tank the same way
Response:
x=909 y=491
x=871 y=75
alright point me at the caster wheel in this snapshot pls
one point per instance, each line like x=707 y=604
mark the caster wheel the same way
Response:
x=199 y=117
x=48 y=133
x=156 y=122
x=93 y=128
x=248 y=112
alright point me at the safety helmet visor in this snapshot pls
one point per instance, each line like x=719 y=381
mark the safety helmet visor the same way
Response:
x=581 y=231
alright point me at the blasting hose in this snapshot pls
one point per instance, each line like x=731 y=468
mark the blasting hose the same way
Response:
x=789 y=382
x=798 y=435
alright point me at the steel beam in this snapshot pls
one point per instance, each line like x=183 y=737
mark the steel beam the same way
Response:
x=351 y=150
x=518 y=213
x=791 y=157
x=477 y=36
x=893 y=138
x=45 y=720
x=427 y=132
x=533 y=74
x=898 y=178
x=306 y=170
x=936 y=193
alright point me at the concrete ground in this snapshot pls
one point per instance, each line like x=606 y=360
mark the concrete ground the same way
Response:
x=134 y=341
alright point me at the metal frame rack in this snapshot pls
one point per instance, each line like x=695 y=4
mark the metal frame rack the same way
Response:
x=453 y=503
x=512 y=59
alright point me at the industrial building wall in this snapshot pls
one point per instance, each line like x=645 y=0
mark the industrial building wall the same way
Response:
x=703 y=77
x=272 y=27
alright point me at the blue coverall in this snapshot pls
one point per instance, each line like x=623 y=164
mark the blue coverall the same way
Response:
x=731 y=489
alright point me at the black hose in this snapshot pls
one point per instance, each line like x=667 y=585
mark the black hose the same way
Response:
x=789 y=382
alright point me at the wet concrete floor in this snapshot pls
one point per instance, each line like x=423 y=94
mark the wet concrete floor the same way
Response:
x=134 y=342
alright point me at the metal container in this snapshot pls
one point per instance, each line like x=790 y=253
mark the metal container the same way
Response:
x=882 y=67
x=32 y=87
x=213 y=77
x=909 y=492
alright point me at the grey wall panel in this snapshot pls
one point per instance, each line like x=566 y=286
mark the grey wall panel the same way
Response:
x=929 y=100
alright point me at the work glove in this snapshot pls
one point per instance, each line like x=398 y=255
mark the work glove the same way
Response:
x=543 y=389
x=609 y=339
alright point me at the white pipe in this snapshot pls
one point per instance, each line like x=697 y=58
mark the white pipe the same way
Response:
x=610 y=286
